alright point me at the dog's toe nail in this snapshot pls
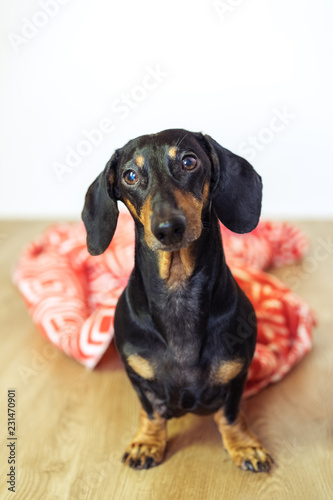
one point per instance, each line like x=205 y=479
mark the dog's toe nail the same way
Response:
x=150 y=462
x=124 y=457
x=267 y=465
x=248 y=465
x=260 y=466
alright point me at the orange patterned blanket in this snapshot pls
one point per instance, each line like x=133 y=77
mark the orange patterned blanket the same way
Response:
x=72 y=296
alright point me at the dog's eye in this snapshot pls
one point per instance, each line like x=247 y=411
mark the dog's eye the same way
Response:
x=189 y=162
x=130 y=177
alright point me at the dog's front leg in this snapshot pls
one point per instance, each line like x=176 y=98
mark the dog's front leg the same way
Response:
x=148 y=446
x=241 y=443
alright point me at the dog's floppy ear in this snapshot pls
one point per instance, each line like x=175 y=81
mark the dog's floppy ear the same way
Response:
x=100 y=211
x=237 y=189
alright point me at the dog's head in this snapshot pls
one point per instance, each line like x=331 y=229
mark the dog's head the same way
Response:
x=167 y=180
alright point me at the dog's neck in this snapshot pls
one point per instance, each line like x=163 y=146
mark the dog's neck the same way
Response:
x=176 y=267
x=180 y=288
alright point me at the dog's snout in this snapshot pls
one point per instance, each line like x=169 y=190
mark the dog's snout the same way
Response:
x=170 y=230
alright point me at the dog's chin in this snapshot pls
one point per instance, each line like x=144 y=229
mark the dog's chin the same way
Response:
x=184 y=243
x=170 y=248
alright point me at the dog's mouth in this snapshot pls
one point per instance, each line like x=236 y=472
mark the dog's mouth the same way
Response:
x=178 y=241
x=171 y=247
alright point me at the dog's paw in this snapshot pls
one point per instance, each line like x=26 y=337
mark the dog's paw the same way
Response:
x=140 y=455
x=253 y=458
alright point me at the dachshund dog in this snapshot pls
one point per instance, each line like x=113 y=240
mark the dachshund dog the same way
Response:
x=181 y=300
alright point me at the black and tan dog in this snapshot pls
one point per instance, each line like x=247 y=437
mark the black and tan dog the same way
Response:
x=181 y=301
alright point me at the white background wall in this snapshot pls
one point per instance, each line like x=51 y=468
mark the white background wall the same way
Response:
x=230 y=70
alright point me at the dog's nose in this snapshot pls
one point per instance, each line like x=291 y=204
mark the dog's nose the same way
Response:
x=169 y=231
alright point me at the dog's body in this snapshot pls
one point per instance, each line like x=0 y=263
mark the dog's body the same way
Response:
x=181 y=307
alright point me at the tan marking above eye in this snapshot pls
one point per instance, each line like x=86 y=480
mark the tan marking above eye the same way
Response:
x=141 y=366
x=139 y=161
x=227 y=371
x=172 y=152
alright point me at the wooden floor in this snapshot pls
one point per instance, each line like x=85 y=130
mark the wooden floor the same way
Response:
x=73 y=425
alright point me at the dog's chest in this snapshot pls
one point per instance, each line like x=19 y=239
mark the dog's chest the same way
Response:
x=183 y=382
x=180 y=360
x=181 y=363
x=182 y=324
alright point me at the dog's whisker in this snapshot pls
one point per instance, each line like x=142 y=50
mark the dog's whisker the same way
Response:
x=180 y=140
